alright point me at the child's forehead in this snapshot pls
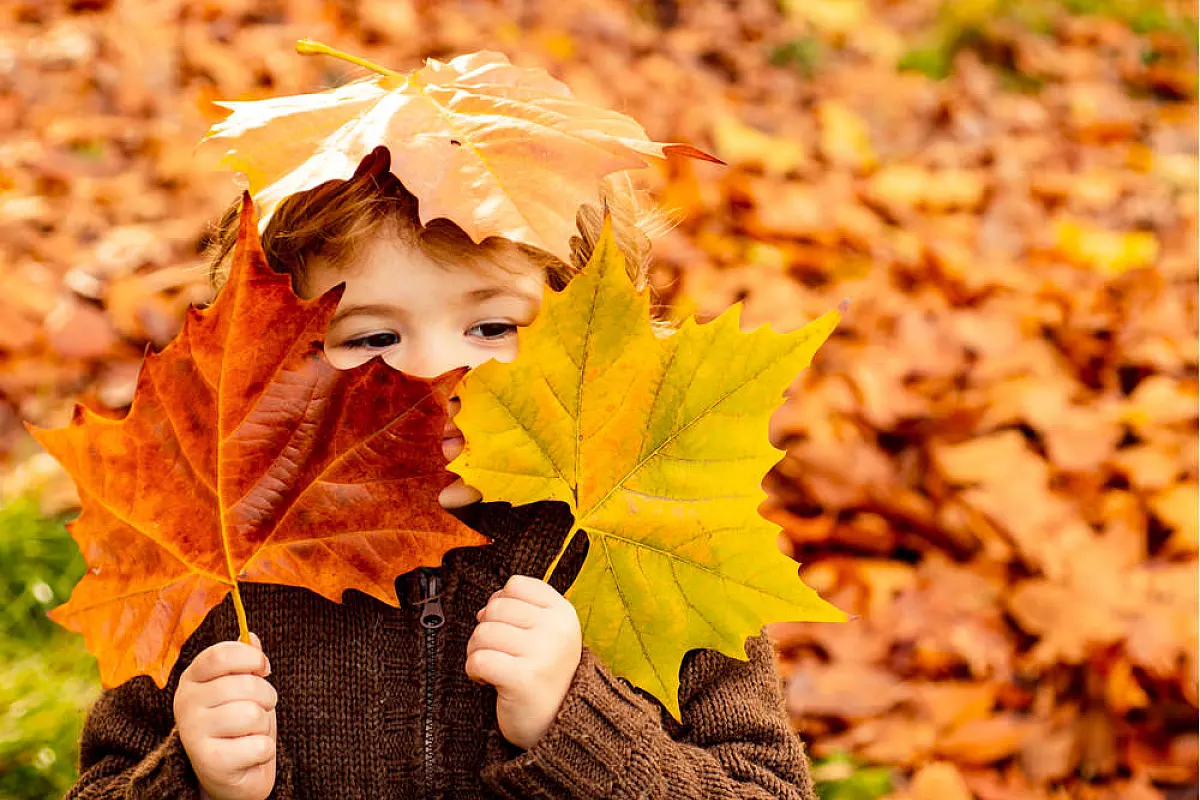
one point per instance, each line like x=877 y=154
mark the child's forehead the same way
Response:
x=491 y=262
x=390 y=262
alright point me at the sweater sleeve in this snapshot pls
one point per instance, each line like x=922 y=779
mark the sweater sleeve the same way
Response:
x=130 y=747
x=734 y=739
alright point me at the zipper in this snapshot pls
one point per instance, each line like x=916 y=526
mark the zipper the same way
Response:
x=433 y=617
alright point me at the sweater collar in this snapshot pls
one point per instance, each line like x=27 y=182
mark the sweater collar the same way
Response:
x=526 y=538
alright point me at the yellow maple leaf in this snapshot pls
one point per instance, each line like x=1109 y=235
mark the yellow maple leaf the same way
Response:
x=830 y=17
x=738 y=143
x=659 y=445
x=498 y=149
x=1111 y=252
x=845 y=137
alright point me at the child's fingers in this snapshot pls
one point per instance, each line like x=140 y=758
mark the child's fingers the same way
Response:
x=491 y=666
x=227 y=658
x=497 y=636
x=233 y=756
x=532 y=590
x=458 y=494
x=239 y=718
x=452 y=446
x=511 y=611
x=234 y=688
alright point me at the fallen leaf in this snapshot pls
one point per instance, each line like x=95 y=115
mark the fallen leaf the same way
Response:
x=18 y=332
x=1011 y=485
x=901 y=187
x=829 y=17
x=75 y=329
x=940 y=780
x=738 y=144
x=845 y=139
x=1177 y=509
x=958 y=305
x=845 y=691
x=136 y=301
x=983 y=741
x=1111 y=252
x=1052 y=754
x=1122 y=691
x=1104 y=602
x=951 y=704
x=1159 y=400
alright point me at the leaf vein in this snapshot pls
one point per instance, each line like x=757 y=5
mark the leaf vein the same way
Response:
x=161 y=544
x=200 y=477
x=688 y=562
x=340 y=458
x=696 y=419
x=626 y=619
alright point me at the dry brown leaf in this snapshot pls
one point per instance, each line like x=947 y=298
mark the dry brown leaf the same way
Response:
x=903 y=188
x=845 y=138
x=1177 y=508
x=75 y=329
x=940 y=780
x=951 y=704
x=1051 y=754
x=844 y=690
x=983 y=741
x=1009 y=483
x=738 y=144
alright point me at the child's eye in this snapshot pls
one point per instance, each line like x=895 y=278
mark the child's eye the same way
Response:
x=374 y=341
x=493 y=330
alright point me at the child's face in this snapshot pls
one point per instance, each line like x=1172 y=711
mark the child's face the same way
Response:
x=422 y=317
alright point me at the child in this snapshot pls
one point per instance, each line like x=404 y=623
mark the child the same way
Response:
x=478 y=685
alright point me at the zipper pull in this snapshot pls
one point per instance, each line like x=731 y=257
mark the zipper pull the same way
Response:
x=432 y=614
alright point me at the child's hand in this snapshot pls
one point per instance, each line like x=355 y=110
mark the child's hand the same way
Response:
x=527 y=645
x=225 y=712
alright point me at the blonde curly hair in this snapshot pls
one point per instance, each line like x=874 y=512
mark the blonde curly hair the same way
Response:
x=334 y=219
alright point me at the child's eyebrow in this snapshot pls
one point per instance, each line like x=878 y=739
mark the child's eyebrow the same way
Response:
x=488 y=292
x=472 y=296
x=376 y=309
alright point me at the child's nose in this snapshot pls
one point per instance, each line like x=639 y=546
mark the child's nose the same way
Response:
x=426 y=359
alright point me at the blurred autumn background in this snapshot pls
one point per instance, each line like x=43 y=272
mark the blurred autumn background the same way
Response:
x=993 y=463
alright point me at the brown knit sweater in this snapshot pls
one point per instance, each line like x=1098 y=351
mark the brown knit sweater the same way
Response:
x=374 y=705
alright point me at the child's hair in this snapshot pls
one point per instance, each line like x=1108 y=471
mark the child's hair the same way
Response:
x=333 y=220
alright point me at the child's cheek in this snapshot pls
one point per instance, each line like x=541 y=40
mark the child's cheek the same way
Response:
x=345 y=357
x=507 y=352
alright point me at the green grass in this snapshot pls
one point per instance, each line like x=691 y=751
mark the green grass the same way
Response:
x=840 y=778
x=957 y=30
x=47 y=679
x=802 y=54
x=1142 y=16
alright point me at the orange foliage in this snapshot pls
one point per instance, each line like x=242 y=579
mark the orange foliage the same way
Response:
x=994 y=461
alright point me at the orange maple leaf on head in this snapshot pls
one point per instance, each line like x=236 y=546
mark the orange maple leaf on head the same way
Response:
x=246 y=456
x=498 y=149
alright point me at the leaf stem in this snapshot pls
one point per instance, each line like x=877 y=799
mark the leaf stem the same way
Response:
x=310 y=48
x=243 y=625
x=567 y=543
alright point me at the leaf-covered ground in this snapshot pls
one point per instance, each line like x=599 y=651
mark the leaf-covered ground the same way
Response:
x=994 y=461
